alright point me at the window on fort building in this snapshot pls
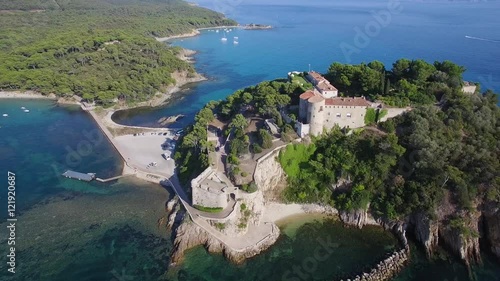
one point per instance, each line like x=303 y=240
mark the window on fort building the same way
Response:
x=339 y=115
x=329 y=113
x=348 y=115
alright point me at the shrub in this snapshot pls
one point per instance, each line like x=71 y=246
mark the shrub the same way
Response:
x=250 y=188
x=208 y=209
x=220 y=225
x=244 y=174
x=256 y=148
x=266 y=140
x=370 y=116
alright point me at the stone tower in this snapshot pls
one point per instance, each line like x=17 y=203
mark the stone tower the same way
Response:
x=316 y=115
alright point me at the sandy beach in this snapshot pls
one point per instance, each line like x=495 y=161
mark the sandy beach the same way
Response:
x=275 y=212
x=25 y=95
x=193 y=33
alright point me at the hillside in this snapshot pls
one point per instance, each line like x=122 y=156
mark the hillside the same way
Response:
x=434 y=169
x=100 y=50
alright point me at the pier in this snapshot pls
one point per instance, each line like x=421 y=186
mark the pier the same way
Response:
x=111 y=179
x=79 y=176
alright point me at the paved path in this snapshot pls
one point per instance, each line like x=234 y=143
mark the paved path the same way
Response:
x=255 y=234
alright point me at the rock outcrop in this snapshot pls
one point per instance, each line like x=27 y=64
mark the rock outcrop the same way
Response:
x=357 y=218
x=170 y=119
x=269 y=174
x=492 y=229
x=190 y=235
x=426 y=232
x=463 y=240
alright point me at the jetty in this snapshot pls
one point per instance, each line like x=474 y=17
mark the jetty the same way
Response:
x=79 y=176
x=112 y=179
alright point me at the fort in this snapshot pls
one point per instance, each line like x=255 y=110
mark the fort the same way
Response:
x=322 y=109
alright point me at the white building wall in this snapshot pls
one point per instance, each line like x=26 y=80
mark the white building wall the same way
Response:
x=344 y=116
x=329 y=94
x=469 y=89
x=316 y=114
x=302 y=129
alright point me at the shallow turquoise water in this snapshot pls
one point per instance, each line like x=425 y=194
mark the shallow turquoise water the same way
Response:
x=40 y=145
x=343 y=252
x=107 y=232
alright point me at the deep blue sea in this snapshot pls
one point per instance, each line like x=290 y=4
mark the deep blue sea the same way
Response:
x=317 y=33
x=70 y=230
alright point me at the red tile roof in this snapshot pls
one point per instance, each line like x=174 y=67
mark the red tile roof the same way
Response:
x=316 y=99
x=348 y=102
x=316 y=76
x=322 y=83
x=326 y=86
x=307 y=94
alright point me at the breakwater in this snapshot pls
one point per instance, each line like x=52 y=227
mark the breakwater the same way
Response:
x=391 y=265
x=387 y=268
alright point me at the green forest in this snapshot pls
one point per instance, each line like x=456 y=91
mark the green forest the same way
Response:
x=406 y=83
x=430 y=158
x=99 y=50
x=263 y=100
x=446 y=147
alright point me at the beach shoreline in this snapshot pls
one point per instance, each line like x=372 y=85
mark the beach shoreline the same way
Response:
x=193 y=33
x=26 y=95
x=277 y=212
x=181 y=80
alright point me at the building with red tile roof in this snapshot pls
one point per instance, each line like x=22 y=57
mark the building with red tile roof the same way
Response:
x=322 y=85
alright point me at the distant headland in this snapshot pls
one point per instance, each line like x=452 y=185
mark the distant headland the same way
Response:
x=254 y=26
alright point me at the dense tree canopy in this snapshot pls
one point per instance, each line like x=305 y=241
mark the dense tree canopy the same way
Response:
x=433 y=151
x=409 y=82
x=100 y=50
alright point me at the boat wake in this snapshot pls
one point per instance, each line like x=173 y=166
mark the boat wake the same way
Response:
x=481 y=39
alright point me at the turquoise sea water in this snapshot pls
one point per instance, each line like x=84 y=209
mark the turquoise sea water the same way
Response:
x=70 y=230
x=312 y=33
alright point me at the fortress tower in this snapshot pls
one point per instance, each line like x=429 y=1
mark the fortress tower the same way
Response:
x=316 y=114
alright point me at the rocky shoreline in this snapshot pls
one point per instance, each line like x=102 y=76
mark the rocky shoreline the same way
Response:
x=433 y=232
x=189 y=235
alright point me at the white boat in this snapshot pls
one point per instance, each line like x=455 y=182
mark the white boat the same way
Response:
x=217 y=30
x=235 y=42
x=26 y=110
x=23 y=108
x=224 y=39
x=236 y=38
x=5 y=115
